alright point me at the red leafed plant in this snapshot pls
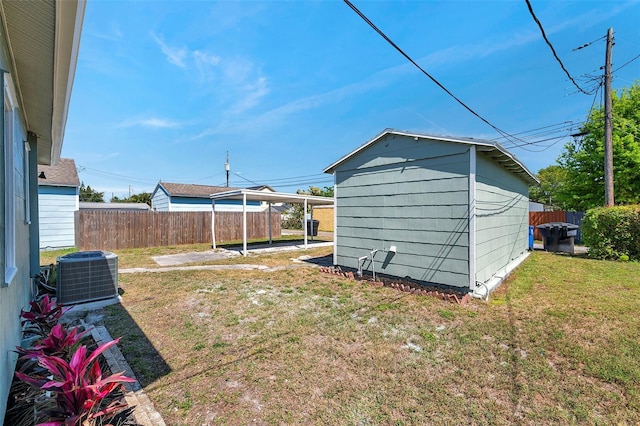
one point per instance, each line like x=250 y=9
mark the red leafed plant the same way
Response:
x=79 y=387
x=43 y=316
x=60 y=342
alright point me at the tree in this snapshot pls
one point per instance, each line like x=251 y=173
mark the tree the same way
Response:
x=295 y=212
x=143 y=197
x=88 y=194
x=583 y=159
x=327 y=191
x=552 y=180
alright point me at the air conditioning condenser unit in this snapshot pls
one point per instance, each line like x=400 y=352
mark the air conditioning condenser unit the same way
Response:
x=87 y=276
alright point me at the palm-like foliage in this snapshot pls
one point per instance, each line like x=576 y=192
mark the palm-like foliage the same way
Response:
x=79 y=386
x=43 y=316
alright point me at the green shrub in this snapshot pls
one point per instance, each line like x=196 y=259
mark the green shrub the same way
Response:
x=613 y=232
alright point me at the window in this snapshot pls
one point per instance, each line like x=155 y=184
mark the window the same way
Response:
x=10 y=269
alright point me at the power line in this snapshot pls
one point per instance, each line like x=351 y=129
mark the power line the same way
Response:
x=318 y=178
x=544 y=36
x=589 y=44
x=402 y=52
x=551 y=128
x=625 y=64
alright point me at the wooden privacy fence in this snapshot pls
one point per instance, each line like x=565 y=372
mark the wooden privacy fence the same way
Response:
x=538 y=218
x=113 y=230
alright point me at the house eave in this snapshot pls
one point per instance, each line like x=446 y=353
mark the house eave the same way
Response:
x=65 y=185
x=44 y=40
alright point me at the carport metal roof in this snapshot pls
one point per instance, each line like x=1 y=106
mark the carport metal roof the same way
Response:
x=270 y=197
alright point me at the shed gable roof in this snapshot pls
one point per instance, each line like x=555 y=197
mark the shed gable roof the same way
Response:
x=63 y=174
x=493 y=149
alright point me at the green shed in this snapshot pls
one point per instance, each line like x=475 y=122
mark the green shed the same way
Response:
x=436 y=209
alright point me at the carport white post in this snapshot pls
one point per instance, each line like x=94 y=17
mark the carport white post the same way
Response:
x=304 y=223
x=213 y=224
x=244 y=224
x=270 y=238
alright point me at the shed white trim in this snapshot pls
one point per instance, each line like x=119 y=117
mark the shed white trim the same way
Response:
x=472 y=218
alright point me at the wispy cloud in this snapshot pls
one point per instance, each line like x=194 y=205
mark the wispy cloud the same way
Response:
x=113 y=33
x=174 y=55
x=252 y=94
x=235 y=123
x=236 y=81
x=206 y=64
x=154 y=122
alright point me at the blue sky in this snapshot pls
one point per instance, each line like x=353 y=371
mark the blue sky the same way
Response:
x=163 y=89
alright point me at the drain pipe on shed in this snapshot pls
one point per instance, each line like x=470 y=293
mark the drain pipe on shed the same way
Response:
x=391 y=249
x=361 y=261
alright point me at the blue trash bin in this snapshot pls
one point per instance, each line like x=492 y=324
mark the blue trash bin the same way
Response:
x=531 y=228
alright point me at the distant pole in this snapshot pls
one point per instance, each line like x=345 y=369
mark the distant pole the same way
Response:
x=226 y=168
x=608 y=126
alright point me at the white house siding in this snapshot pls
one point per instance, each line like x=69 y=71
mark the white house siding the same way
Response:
x=57 y=206
x=502 y=218
x=185 y=204
x=236 y=206
x=413 y=195
x=15 y=295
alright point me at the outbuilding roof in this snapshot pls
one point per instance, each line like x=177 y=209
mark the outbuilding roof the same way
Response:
x=199 y=191
x=492 y=148
x=62 y=174
x=86 y=205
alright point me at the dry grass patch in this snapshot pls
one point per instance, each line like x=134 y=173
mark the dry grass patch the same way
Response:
x=554 y=345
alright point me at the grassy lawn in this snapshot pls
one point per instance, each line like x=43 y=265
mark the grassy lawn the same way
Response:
x=142 y=257
x=559 y=342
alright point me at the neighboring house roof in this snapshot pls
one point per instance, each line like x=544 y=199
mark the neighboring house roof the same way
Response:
x=494 y=149
x=261 y=188
x=199 y=191
x=44 y=38
x=85 y=205
x=62 y=174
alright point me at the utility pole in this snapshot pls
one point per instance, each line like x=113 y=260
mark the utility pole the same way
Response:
x=226 y=168
x=608 y=126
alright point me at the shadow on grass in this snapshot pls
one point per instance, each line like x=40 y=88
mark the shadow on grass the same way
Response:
x=263 y=244
x=141 y=355
x=273 y=342
x=320 y=260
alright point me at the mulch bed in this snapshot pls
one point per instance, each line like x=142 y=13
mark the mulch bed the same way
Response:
x=402 y=285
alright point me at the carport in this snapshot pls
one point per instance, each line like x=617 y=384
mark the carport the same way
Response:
x=263 y=196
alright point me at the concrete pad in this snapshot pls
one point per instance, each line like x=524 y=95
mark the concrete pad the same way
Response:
x=193 y=257
x=242 y=266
